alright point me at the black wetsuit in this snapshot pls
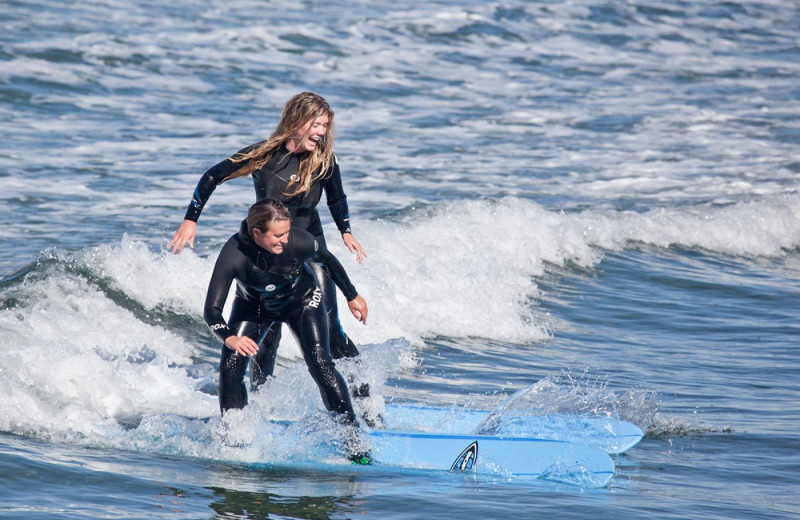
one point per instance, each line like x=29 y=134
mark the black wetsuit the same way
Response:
x=274 y=288
x=272 y=181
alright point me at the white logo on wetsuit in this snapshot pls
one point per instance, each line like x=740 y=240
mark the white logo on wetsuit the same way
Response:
x=316 y=298
x=270 y=288
x=218 y=326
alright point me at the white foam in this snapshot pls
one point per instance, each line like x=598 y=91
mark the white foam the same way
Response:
x=470 y=268
x=76 y=362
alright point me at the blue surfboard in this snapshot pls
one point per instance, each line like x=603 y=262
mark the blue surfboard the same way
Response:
x=578 y=464
x=493 y=455
x=610 y=434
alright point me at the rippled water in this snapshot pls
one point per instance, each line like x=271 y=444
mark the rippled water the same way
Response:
x=592 y=201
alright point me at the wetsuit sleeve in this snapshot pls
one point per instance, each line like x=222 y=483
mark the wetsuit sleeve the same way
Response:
x=337 y=272
x=337 y=200
x=209 y=181
x=218 y=288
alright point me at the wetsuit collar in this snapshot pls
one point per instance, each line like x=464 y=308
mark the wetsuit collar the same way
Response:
x=286 y=152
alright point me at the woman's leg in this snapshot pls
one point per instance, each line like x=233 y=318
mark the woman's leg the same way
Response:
x=232 y=366
x=262 y=365
x=309 y=324
x=245 y=321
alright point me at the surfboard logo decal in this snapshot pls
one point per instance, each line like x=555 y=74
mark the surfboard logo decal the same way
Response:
x=467 y=459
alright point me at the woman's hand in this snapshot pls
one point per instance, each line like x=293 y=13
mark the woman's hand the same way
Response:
x=242 y=344
x=184 y=234
x=359 y=308
x=353 y=245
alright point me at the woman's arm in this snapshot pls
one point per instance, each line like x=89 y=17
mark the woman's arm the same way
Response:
x=337 y=204
x=212 y=178
x=356 y=304
x=218 y=288
x=208 y=182
x=336 y=270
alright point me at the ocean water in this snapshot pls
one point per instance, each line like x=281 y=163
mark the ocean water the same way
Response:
x=593 y=203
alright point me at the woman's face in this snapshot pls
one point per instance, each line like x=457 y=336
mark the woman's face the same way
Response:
x=273 y=238
x=309 y=135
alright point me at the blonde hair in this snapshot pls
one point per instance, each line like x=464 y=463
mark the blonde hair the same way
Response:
x=300 y=110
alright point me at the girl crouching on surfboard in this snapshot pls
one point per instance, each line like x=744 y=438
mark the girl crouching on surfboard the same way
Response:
x=267 y=259
x=295 y=165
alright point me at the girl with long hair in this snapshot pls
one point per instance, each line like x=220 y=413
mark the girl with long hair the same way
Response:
x=294 y=165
